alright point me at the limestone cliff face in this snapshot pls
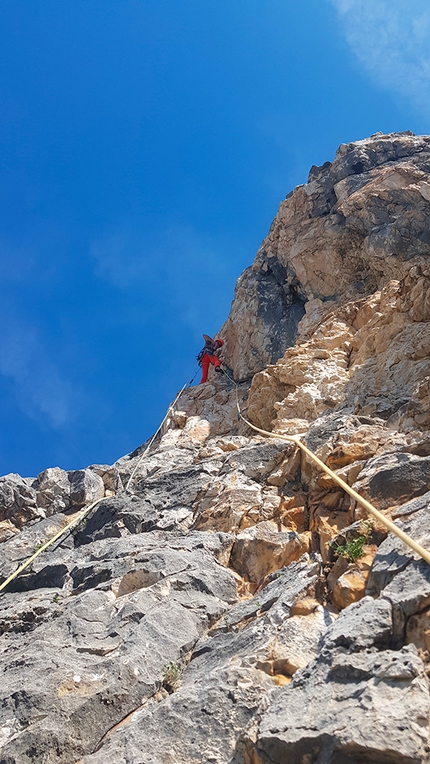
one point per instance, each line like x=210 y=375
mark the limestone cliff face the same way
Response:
x=235 y=606
x=370 y=354
x=359 y=222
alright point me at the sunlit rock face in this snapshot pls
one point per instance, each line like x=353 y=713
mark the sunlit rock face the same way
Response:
x=359 y=222
x=234 y=605
x=372 y=354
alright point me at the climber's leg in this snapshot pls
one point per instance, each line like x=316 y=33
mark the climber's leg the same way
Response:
x=205 y=368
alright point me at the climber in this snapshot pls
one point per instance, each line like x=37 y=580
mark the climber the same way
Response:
x=208 y=355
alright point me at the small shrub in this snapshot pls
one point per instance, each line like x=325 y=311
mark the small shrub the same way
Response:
x=352 y=550
x=171 y=674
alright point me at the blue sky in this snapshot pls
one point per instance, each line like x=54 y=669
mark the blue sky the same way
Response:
x=144 y=148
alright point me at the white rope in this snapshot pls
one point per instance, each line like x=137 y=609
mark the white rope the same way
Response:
x=171 y=407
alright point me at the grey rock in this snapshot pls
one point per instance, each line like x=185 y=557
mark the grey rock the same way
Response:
x=408 y=593
x=53 y=490
x=17 y=500
x=24 y=544
x=177 y=487
x=262 y=632
x=85 y=672
x=277 y=305
x=22 y=613
x=109 y=474
x=258 y=460
x=89 y=661
x=392 y=478
x=222 y=687
x=127 y=514
x=363 y=625
x=162 y=458
x=393 y=555
x=350 y=711
x=85 y=487
x=415 y=505
x=286 y=586
x=391 y=558
x=118 y=516
x=195 y=724
x=179 y=518
x=157 y=556
x=326 y=427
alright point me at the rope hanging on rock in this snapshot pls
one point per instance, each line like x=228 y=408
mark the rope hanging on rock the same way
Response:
x=84 y=512
x=68 y=527
x=171 y=407
x=424 y=553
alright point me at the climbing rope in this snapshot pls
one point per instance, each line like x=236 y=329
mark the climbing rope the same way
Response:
x=424 y=553
x=289 y=438
x=171 y=407
x=76 y=520
x=84 y=512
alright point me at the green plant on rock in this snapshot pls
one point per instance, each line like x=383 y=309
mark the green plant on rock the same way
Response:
x=171 y=675
x=352 y=550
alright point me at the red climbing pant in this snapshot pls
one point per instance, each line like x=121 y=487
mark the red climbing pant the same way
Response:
x=206 y=360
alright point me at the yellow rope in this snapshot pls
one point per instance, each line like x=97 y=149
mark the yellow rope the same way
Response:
x=290 y=439
x=51 y=541
x=86 y=510
x=364 y=503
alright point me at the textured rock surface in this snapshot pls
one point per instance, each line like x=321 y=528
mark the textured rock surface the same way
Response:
x=359 y=222
x=319 y=716
x=53 y=490
x=340 y=707
x=234 y=606
x=17 y=500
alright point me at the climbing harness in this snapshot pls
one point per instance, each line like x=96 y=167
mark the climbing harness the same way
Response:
x=84 y=512
x=210 y=348
x=424 y=553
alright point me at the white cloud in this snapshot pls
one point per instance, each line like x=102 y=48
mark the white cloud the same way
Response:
x=391 y=39
x=36 y=383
